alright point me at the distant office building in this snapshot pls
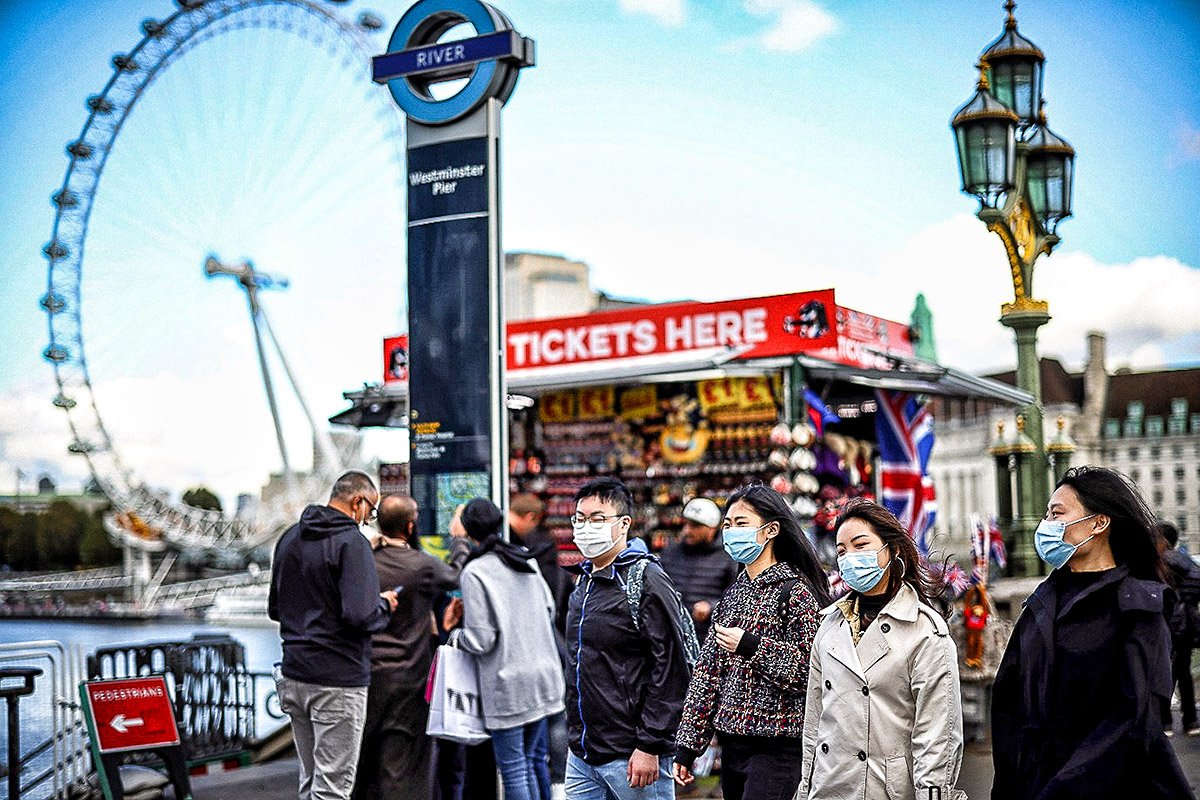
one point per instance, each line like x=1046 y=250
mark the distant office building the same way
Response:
x=539 y=285
x=1145 y=424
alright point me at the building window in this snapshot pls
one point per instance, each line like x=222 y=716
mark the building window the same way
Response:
x=1135 y=475
x=1180 y=497
x=1177 y=451
x=1158 y=497
x=1181 y=521
x=1156 y=474
x=1134 y=454
x=1155 y=450
x=1179 y=472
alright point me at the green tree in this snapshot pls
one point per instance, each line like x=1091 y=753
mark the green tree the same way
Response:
x=9 y=522
x=60 y=530
x=96 y=549
x=20 y=546
x=202 y=497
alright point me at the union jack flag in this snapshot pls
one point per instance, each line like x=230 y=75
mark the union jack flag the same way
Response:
x=904 y=429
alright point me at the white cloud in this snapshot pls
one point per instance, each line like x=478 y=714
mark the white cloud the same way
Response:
x=796 y=25
x=668 y=12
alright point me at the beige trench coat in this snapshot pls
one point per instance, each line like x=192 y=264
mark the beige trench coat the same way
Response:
x=883 y=720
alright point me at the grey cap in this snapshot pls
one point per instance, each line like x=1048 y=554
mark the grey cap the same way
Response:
x=702 y=511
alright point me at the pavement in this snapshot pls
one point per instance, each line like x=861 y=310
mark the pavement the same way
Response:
x=277 y=780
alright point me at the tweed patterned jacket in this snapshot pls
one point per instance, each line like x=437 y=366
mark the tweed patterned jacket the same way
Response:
x=759 y=690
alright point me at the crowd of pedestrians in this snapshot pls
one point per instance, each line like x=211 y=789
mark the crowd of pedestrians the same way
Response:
x=595 y=676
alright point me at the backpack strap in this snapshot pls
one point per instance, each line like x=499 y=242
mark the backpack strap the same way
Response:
x=634 y=578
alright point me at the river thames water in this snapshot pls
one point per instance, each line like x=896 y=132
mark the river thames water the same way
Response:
x=262 y=645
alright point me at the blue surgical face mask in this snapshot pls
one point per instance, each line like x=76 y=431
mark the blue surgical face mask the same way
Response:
x=742 y=544
x=861 y=571
x=1050 y=545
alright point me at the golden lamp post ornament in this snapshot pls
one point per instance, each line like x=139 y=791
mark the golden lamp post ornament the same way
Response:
x=1022 y=174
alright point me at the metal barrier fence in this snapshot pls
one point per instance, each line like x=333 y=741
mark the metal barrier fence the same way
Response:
x=213 y=691
x=61 y=761
x=215 y=698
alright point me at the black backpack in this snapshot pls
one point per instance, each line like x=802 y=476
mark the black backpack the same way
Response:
x=634 y=579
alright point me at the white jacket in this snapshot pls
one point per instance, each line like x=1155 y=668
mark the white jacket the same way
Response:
x=883 y=720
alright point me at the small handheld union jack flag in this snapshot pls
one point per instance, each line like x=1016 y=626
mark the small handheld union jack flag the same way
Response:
x=904 y=428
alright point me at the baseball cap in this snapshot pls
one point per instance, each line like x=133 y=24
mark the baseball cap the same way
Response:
x=702 y=511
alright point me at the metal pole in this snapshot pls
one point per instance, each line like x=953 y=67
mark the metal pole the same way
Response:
x=13 y=694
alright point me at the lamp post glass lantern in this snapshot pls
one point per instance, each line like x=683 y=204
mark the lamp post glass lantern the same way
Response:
x=1050 y=167
x=1022 y=173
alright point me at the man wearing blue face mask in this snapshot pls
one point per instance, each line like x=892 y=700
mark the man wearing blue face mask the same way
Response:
x=627 y=667
x=1078 y=696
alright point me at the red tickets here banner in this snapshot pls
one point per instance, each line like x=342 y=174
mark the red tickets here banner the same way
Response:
x=781 y=325
x=130 y=714
x=756 y=327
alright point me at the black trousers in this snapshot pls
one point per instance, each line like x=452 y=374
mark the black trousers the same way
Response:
x=760 y=767
x=1181 y=674
x=395 y=757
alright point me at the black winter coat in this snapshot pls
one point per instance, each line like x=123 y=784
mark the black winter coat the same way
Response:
x=625 y=687
x=1076 y=703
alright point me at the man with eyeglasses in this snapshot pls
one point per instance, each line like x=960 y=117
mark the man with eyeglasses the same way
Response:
x=626 y=676
x=324 y=595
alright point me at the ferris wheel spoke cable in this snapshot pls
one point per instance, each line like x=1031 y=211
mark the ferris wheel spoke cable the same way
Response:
x=184 y=221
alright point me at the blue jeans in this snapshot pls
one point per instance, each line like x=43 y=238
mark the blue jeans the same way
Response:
x=522 y=756
x=611 y=782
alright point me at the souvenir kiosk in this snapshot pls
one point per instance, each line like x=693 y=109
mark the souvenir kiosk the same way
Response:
x=696 y=399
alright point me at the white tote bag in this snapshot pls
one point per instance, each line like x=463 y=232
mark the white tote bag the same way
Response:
x=455 y=709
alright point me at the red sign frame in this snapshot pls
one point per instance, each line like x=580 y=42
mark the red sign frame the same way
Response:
x=130 y=713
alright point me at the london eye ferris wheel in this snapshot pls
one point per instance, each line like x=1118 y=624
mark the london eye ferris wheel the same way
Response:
x=245 y=130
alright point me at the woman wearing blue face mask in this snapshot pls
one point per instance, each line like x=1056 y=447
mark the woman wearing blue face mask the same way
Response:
x=1076 y=702
x=748 y=686
x=884 y=718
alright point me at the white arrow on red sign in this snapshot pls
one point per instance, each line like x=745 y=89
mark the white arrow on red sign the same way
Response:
x=120 y=724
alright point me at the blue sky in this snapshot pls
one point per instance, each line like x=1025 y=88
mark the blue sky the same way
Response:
x=682 y=148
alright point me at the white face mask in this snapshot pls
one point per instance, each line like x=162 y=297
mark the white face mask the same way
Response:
x=593 y=538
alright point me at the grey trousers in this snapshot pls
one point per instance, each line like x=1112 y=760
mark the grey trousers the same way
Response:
x=327 y=724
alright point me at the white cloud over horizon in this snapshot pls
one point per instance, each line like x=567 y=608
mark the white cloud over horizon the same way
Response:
x=209 y=428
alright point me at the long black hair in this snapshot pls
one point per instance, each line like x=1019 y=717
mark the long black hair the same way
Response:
x=791 y=545
x=1131 y=529
x=913 y=569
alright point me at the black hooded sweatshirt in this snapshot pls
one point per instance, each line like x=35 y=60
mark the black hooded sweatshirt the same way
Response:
x=325 y=597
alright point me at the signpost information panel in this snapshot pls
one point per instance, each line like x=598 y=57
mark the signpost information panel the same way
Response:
x=449 y=285
x=456 y=358
x=132 y=714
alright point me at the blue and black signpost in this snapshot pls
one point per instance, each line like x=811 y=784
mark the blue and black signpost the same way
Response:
x=458 y=420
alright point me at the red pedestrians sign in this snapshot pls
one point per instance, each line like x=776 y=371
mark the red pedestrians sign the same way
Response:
x=130 y=713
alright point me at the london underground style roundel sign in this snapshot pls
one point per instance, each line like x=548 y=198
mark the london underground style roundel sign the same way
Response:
x=416 y=60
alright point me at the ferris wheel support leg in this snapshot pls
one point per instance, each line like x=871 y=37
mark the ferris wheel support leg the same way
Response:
x=321 y=437
x=289 y=478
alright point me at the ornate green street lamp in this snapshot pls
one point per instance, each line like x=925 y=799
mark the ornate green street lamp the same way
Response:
x=1022 y=174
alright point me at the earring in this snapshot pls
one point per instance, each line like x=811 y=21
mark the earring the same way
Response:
x=903 y=566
